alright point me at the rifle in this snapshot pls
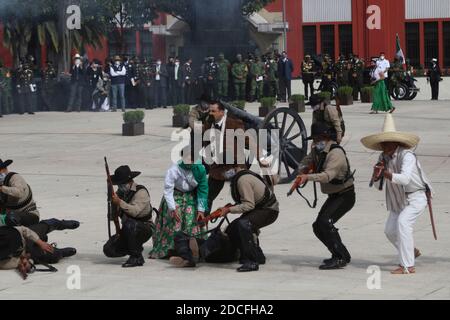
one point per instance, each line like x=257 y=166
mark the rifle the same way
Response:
x=430 y=207
x=112 y=210
x=213 y=216
x=298 y=186
x=378 y=174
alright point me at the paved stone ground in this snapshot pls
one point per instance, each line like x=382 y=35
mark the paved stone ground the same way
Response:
x=61 y=156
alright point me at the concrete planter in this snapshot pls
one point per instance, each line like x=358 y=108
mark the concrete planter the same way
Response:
x=180 y=121
x=264 y=111
x=298 y=106
x=133 y=129
x=346 y=100
x=366 y=97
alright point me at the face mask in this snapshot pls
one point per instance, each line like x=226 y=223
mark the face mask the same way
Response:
x=228 y=175
x=320 y=146
x=177 y=63
x=124 y=188
x=382 y=58
x=117 y=63
x=2 y=178
x=158 y=63
x=77 y=62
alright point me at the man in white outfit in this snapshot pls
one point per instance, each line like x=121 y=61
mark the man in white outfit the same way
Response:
x=406 y=186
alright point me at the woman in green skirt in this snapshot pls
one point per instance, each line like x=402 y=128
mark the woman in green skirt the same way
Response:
x=381 y=99
x=184 y=202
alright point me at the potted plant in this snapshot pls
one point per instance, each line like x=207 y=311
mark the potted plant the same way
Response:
x=345 y=94
x=326 y=96
x=297 y=103
x=267 y=105
x=180 y=117
x=133 y=123
x=239 y=104
x=367 y=94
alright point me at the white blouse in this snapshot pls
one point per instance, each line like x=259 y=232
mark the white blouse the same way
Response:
x=180 y=179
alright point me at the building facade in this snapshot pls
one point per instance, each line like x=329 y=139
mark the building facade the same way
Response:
x=368 y=27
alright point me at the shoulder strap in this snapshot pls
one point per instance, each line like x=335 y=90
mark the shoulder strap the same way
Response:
x=8 y=178
x=269 y=197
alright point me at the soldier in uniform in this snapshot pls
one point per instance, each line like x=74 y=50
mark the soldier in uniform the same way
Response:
x=341 y=71
x=308 y=75
x=93 y=74
x=434 y=77
x=272 y=76
x=188 y=83
x=26 y=88
x=257 y=84
x=211 y=78
x=327 y=74
x=146 y=75
x=49 y=82
x=328 y=114
x=101 y=92
x=396 y=72
x=224 y=76
x=357 y=76
x=239 y=73
x=6 y=99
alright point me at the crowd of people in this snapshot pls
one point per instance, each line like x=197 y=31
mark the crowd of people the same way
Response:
x=131 y=82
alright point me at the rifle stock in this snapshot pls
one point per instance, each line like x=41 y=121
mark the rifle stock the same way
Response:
x=297 y=183
x=112 y=210
x=378 y=174
x=214 y=215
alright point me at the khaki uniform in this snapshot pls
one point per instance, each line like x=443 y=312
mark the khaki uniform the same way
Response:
x=26 y=234
x=330 y=115
x=251 y=190
x=197 y=115
x=334 y=167
x=139 y=206
x=17 y=192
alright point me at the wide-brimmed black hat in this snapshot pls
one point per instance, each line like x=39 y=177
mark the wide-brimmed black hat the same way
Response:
x=314 y=100
x=10 y=242
x=5 y=164
x=123 y=175
x=321 y=129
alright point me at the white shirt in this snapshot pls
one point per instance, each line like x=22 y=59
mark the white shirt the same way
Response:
x=213 y=137
x=177 y=67
x=376 y=73
x=384 y=65
x=180 y=179
x=158 y=69
x=409 y=177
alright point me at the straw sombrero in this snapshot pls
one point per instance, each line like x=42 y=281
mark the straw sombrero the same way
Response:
x=390 y=134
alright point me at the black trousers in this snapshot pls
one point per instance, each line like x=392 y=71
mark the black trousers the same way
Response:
x=285 y=86
x=37 y=254
x=23 y=218
x=145 y=97
x=308 y=85
x=160 y=95
x=188 y=93
x=215 y=187
x=75 y=97
x=336 y=206
x=130 y=241
x=241 y=232
x=434 y=90
x=26 y=103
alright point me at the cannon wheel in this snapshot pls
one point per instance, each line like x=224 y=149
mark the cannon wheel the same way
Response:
x=293 y=144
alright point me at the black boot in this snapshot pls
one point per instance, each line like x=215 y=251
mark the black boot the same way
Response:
x=134 y=261
x=333 y=264
x=55 y=224
x=248 y=267
x=66 y=252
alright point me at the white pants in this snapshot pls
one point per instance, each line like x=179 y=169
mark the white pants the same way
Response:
x=399 y=227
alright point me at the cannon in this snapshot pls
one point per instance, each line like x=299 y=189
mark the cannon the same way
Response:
x=293 y=145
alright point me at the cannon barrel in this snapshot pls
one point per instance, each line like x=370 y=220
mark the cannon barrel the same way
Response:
x=250 y=120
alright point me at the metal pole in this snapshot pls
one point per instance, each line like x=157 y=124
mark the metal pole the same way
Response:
x=284 y=26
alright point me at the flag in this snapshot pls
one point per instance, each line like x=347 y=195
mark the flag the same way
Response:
x=399 y=49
